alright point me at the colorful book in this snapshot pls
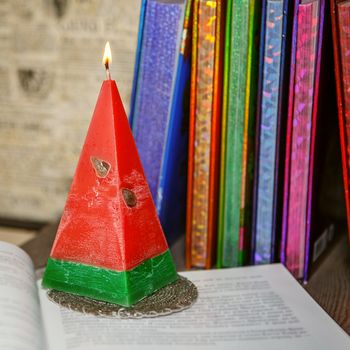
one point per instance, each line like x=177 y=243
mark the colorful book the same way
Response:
x=340 y=11
x=270 y=112
x=160 y=108
x=271 y=109
x=238 y=131
x=301 y=134
x=325 y=214
x=204 y=136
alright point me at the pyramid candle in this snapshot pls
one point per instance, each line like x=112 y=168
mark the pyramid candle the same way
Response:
x=109 y=245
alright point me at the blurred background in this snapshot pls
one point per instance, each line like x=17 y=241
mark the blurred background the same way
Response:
x=50 y=75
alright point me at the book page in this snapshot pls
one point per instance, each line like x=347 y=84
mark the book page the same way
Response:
x=20 y=319
x=246 y=308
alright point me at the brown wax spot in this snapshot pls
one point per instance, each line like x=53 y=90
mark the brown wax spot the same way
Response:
x=101 y=167
x=129 y=197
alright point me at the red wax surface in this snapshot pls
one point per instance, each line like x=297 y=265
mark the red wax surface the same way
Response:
x=97 y=226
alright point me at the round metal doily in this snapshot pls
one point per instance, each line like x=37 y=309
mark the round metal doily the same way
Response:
x=174 y=297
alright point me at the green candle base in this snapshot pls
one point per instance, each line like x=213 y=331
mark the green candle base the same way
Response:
x=124 y=288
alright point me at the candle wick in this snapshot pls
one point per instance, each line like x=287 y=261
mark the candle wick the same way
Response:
x=108 y=74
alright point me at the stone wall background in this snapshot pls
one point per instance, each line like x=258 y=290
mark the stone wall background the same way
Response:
x=50 y=76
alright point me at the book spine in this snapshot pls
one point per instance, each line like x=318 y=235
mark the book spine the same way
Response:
x=160 y=44
x=172 y=181
x=257 y=131
x=281 y=128
x=302 y=134
x=341 y=25
x=319 y=13
x=137 y=62
x=248 y=132
x=222 y=190
x=191 y=136
x=215 y=133
x=289 y=135
x=234 y=132
x=199 y=229
x=268 y=125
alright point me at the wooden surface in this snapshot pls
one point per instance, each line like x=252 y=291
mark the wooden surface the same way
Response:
x=329 y=285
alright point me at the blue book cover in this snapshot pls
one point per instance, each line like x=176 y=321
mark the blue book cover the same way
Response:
x=159 y=108
x=269 y=114
x=137 y=61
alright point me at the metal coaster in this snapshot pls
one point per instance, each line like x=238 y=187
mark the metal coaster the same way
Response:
x=174 y=297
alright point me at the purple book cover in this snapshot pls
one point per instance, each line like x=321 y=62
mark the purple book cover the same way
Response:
x=289 y=135
x=160 y=43
x=301 y=129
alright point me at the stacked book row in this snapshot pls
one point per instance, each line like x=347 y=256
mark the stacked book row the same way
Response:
x=232 y=103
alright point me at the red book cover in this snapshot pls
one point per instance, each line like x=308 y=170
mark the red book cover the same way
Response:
x=301 y=139
x=340 y=13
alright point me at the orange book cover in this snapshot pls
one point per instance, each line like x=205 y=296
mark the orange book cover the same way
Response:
x=205 y=128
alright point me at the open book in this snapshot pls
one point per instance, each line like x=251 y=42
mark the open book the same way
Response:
x=258 y=307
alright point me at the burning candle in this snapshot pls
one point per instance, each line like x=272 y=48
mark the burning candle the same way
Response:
x=109 y=245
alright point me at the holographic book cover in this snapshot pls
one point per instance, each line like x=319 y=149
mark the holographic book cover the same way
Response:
x=301 y=131
x=237 y=144
x=271 y=91
x=205 y=117
x=159 y=107
x=323 y=202
x=226 y=81
x=340 y=11
x=171 y=200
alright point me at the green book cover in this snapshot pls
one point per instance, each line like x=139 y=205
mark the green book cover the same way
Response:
x=238 y=131
x=226 y=72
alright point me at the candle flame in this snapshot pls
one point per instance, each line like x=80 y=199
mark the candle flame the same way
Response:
x=107 y=56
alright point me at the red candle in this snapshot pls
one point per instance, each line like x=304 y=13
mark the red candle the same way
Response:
x=109 y=244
